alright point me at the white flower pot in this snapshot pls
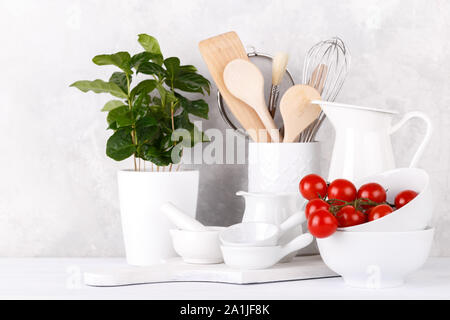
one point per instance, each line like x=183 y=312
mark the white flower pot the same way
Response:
x=145 y=227
x=279 y=167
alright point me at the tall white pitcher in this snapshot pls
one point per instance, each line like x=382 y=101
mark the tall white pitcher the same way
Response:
x=363 y=139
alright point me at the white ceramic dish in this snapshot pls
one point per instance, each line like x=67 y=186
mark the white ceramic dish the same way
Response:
x=259 y=233
x=416 y=215
x=181 y=219
x=251 y=258
x=376 y=259
x=199 y=247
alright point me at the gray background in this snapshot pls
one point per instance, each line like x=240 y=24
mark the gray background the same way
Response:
x=58 y=193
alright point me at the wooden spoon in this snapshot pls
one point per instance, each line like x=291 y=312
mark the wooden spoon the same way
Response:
x=217 y=52
x=297 y=111
x=245 y=81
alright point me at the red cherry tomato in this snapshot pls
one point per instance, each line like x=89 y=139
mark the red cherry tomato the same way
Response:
x=379 y=211
x=314 y=205
x=368 y=210
x=341 y=189
x=312 y=186
x=372 y=191
x=404 y=197
x=322 y=223
x=348 y=216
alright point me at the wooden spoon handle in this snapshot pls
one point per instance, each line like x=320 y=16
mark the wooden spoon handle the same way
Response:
x=268 y=122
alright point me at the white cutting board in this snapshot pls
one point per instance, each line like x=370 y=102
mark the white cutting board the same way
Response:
x=301 y=268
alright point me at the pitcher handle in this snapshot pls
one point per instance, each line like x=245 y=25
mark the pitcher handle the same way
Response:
x=426 y=139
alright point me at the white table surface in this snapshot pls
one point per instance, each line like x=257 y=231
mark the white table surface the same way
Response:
x=61 y=278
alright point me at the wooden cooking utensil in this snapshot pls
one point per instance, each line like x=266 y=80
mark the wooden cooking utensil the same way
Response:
x=279 y=64
x=317 y=81
x=297 y=111
x=246 y=82
x=217 y=52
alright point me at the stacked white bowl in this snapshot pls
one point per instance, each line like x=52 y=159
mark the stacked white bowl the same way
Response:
x=381 y=253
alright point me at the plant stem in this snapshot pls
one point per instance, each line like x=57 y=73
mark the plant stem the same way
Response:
x=133 y=126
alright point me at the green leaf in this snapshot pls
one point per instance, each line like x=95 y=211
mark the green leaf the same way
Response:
x=182 y=122
x=145 y=56
x=113 y=104
x=144 y=87
x=191 y=82
x=119 y=59
x=120 y=145
x=147 y=121
x=198 y=108
x=120 y=78
x=188 y=69
x=167 y=97
x=149 y=43
x=99 y=86
x=172 y=65
x=156 y=156
x=152 y=68
x=120 y=117
x=147 y=134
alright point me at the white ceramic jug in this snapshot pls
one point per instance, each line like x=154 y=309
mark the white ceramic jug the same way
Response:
x=363 y=139
x=274 y=208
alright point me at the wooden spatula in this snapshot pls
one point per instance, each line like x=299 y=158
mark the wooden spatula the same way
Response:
x=297 y=111
x=217 y=52
x=246 y=82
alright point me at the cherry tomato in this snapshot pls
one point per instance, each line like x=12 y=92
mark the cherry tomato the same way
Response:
x=322 y=223
x=312 y=186
x=379 y=211
x=372 y=191
x=314 y=205
x=348 y=216
x=368 y=211
x=404 y=197
x=341 y=189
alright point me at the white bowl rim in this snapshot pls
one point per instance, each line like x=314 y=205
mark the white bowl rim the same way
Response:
x=427 y=229
x=209 y=229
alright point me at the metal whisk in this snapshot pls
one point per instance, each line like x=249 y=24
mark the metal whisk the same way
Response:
x=325 y=68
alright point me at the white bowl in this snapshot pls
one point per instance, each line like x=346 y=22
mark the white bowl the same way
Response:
x=375 y=259
x=254 y=258
x=199 y=247
x=416 y=215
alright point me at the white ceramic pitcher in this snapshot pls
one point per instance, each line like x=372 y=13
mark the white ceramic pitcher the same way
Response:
x=362 y=145
x=274 y=208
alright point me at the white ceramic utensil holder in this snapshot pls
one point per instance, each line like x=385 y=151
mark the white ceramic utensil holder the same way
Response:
x=145 y=227
x=279 y=167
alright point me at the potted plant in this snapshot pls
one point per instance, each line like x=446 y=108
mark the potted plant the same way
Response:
x=151 y=123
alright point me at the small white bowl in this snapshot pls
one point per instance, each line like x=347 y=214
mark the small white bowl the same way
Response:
x=199 y=247
x=254 y=258
x=416 y=215
x=375 y=259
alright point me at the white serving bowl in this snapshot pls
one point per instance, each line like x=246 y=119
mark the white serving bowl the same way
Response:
x=254 y=258
x=199 y=247
x=416 y=215
x=376 y=259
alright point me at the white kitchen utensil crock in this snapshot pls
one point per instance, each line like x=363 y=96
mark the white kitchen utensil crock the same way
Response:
x=145 y=228
x=258 y=233
x=200 y=247
x=375 y=259
x=362 y=145
x=249 y=258
x=416 y=215
x=278 y=167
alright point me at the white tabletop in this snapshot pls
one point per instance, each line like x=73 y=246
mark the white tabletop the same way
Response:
x=61 y=278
